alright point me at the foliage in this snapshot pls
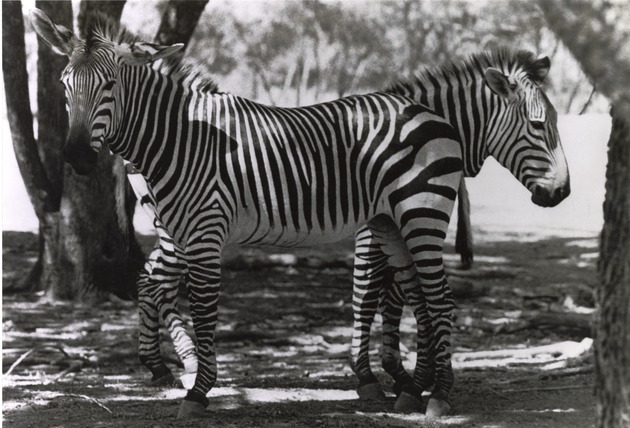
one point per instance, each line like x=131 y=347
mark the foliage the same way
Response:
x=295 y=53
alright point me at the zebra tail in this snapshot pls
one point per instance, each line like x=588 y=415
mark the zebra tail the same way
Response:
x=464 y=238
x=120 y=196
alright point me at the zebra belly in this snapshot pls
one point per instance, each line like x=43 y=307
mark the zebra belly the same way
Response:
x=251 y=231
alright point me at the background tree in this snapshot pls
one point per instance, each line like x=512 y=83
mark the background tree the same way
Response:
x=83 y=250
x=87 y=238
x=594 y=32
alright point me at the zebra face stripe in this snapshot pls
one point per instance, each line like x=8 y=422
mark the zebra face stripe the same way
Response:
x=90 y=81
x=528 y=143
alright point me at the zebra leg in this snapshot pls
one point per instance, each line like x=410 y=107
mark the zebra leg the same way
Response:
x=391 y=307
x=370 y=266
x=184 y=346
x=158 y=288
x=387 y=233
x=424 y=236
x=149 y=334
x=463 y=238
x=203 y=284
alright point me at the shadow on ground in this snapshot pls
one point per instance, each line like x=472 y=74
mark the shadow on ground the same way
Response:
x=284 y=341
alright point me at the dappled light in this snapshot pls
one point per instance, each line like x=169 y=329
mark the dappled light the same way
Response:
x=521 y=336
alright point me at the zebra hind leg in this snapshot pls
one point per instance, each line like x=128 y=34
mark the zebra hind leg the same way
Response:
x=370 y=266
x=149 y=335
x=391 y=307
x=387 y=233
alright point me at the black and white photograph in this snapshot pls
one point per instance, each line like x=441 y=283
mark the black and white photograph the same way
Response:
x=315 y=213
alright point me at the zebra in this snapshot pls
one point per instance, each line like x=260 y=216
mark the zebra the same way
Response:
x=159 y=280
x=467 y=95
x=380 y=160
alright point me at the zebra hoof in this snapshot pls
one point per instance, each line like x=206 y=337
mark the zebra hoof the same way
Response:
x=166 y=380
x=407 y=403
x=437 y=408
x=191 y=409
x=371 y=392
x=188 y=380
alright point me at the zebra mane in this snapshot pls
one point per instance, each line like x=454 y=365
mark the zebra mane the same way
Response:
x=502 y=58
x=101 y=29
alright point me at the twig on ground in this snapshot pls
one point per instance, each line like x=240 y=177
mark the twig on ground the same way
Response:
x=498 y=393
x=18 y=361
x=74 y=366
x=570 y=371
x=93 y=400
x=548 y=388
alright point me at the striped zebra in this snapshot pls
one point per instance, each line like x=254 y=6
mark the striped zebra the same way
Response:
x=158 y=286
x=494 y=101
x=226 y=169
x=159 y=280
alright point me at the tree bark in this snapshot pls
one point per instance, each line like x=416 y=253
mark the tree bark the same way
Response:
x=87 y=243
x=179 y=21
x=603 y=50
x=111 y=8
x=612 y=352
x=52 y=129
x=98 y=252
x=43 y=189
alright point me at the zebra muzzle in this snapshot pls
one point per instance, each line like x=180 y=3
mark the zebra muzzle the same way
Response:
x=78 y=153
x=550 y=196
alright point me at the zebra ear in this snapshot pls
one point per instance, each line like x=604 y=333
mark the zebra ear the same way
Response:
x=500 y=84
x=540 y=68
x=60 y=39
x=144 y=53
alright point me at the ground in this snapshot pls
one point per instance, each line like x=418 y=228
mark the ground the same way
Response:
x=284 y=341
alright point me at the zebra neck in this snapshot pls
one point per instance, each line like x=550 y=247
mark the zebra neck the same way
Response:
x=464 y=101
x=153 y=120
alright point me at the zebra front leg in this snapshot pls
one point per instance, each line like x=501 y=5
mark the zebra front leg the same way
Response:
x=370 y=266
x=203 y=284
x=185 y=348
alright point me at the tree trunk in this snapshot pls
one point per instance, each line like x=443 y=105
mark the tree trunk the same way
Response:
x=98 y=251
x=179 y=21
x=87 y=243
x=43 y=192
x=111 y=8
x=600 y=44
x=612 y=356
x=52 y=129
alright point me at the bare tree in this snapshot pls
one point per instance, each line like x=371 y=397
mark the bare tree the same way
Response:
x=594 y=34
x=83 y=251
x=87 y=239
x=179 y=21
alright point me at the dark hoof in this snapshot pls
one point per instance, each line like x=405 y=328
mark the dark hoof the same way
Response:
x=166 y=380
x=437 y=408
x=408 y=403
x=371 y=392
x=400 y=387
x=191 y=409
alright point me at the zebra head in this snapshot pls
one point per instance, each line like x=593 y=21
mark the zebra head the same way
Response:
x=91 y=80
x=524 y=135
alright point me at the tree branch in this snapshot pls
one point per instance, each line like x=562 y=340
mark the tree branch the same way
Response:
x=19 y=112
x=589 y=35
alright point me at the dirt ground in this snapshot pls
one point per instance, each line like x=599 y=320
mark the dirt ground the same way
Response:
x=284 y=340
